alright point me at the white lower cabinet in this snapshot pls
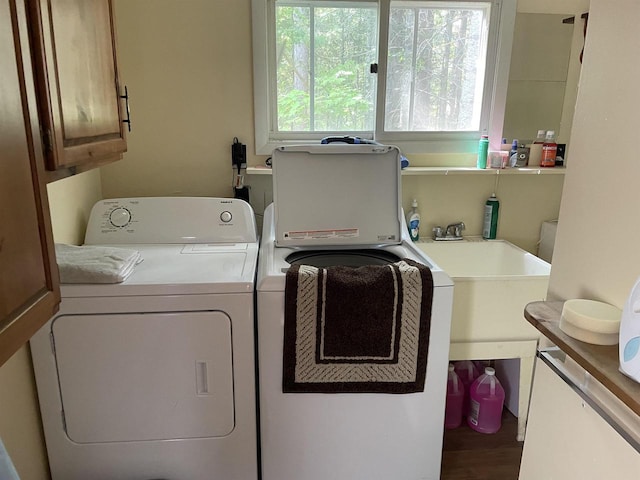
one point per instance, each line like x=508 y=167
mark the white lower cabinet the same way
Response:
x=568 y=440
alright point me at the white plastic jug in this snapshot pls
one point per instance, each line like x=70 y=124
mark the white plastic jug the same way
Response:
x=629 y=346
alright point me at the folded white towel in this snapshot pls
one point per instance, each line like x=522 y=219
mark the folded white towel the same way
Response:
x=92 y=264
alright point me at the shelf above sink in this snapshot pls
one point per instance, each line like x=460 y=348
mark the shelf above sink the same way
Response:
x=487 y=171
x=260 y=170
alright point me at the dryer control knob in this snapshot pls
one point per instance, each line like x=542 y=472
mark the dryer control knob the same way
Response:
x=120 y=217
x=226 y=216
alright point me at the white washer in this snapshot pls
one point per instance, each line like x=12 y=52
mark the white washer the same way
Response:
x=325 y=192
x=154 y=378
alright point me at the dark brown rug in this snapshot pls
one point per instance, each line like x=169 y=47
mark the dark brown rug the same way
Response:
x=357 y=330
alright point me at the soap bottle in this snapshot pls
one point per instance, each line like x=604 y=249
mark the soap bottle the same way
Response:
x=535 y=155
x=513 y=153
x=549 y=150
x=413 y=221
x=483 y=151
x=490 y=226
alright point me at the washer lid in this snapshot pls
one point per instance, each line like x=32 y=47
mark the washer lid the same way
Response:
x=337 y=195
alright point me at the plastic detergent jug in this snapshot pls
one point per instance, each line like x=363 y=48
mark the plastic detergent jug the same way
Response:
x=486 y=402
x=467 y=373
x=629 y=346
x=455 y=396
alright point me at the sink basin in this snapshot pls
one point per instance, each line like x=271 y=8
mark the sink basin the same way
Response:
x=494 y=280
x=485 y=258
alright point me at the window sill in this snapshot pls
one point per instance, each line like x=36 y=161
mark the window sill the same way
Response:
x=452 y=171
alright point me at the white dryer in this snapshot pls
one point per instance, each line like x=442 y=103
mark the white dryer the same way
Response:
x=340 y=205
x=154 y=378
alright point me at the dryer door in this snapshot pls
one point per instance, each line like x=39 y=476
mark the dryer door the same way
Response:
x=153 y=376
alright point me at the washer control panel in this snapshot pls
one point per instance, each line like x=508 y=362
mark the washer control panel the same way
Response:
x=120 y=217
x=161 y=220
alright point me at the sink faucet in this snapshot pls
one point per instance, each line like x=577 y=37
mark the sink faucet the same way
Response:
x=455 y=230
x=452 y=232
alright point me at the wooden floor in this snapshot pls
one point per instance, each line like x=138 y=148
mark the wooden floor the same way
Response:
x=469 y=455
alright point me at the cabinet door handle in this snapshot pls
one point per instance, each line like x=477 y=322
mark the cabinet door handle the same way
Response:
x=126 y=104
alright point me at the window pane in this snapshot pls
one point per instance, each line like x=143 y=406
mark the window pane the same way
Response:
x=322 y=67
x=292 y=54
x=436 y=64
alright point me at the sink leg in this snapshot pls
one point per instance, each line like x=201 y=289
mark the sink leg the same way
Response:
x=524 y=392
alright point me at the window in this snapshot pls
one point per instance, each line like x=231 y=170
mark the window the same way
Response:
x=428 y=76
x=323 y=54
x=435 y=66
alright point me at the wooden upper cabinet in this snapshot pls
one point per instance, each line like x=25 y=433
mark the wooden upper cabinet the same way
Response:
x=79 y=92
x=29 y=289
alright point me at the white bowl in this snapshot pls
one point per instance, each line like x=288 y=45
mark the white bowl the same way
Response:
x=591 y=321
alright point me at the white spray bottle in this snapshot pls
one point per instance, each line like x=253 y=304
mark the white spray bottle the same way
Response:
x=629 y=347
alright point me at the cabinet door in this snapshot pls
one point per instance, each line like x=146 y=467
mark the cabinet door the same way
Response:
x=29 y=290
x=567 y=439
x=78 y=87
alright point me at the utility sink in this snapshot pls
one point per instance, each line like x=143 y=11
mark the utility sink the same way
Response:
x=484 y=258
x=494 y=280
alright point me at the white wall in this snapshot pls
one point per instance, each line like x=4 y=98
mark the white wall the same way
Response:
x=567 y=8
x=525 y=202
x=597 y=251
x=70 y=201
x=537 y=76
x=188 y=68
x=553 y=6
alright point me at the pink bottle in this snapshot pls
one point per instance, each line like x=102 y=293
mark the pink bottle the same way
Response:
x=455 y=396
x=486 y=402
x=467 y=373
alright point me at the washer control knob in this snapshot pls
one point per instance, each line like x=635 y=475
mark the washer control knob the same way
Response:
x=120 y=217
x=226 y=216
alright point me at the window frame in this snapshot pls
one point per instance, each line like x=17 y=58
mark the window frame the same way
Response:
x=500 y=38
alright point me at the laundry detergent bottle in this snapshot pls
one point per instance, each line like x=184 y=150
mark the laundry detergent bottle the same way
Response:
x=413 y=221
x=629 y=345
x=486 y=402
x=455 y=397
x=467 y=373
